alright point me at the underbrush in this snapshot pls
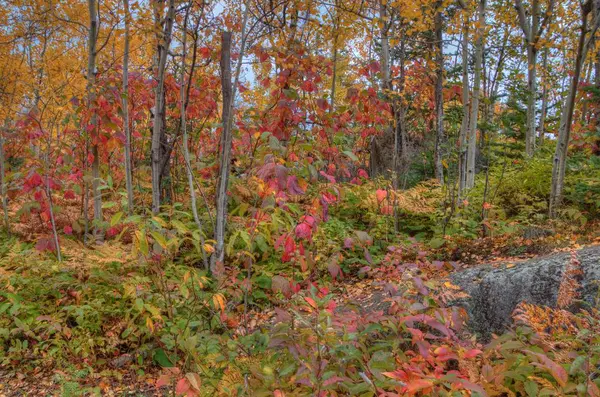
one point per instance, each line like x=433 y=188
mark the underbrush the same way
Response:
x=173 y=323
x=277 y=319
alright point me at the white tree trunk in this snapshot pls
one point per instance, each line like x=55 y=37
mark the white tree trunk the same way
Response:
x=473 y=118
x=544 y=110
x=3 y=190
x=531 y=99
x=164 y=42
x=225 y=156
x=186 y=151
x=229 y=92
x=464 y=127
x=564 y=133
x=439 y=94
x=91 y=93
x=128 y=164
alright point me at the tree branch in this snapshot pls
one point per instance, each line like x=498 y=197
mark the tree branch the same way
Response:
x=523 y=22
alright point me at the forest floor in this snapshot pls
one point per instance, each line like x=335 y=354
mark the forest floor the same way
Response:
x=354 y=296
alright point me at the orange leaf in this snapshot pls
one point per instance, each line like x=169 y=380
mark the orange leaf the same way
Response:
x=417 y=385
x=311 y=302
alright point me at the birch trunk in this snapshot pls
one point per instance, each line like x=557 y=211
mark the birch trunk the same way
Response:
x=164 y=42
x=229 y=91
x=464 y=127
x=564 y=133
x=128 y=163
x=544 y=110
x=91 y=87
x=186 y=151
x=225 y=155
x=3 y=190
x=532 y=28
x=472 y=133
x=531 y=99
x=439 y=95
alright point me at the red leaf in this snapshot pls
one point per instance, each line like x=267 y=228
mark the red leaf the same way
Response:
x=473 y=387
x=334 y=269
x=558 y=372
x=328 y=177
x=163 y=380
x=472 y=353
x=381 y=195
x=183 y=386
x=69 y=195
x=205 y=52
x=303 y=231
x=292 y=185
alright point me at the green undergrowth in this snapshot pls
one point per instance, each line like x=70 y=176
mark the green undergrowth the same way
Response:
x=269 y=323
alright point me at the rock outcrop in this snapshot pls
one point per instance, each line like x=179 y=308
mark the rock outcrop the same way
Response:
x=495 y=291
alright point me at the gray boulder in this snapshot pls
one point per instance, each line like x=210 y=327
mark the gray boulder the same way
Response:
x=495 y=291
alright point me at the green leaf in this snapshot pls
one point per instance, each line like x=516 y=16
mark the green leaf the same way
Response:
x=160 y=239
x=350 y=155
x=264 y=281
x=181 y=228
x=142 y=241
x=116 y=218
x=162 y=359
x=577 y=364
x=436 y=242
x=108 y=204
x=531 y=388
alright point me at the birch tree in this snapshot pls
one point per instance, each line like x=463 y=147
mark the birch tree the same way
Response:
x=473 y=117
x=533 y=28
x=165 y=31
x=128 y=171
x=91 y=97
x=590 y=8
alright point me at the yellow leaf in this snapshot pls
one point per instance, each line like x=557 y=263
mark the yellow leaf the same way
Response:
x=508 y=266
x=209 y=248
x=142 y=242
x=149 y=324
x=219 y=301
x=448 y=284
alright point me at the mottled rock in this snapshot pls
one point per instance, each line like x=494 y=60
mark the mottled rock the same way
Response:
x=495 y=291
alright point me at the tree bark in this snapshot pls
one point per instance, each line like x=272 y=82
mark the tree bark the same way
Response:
x=472 y=134
x=380 y=157
x=164 y=42
x=3 y=190
x=91 y=87
x=566 y=120
x=128 y=162
x=532 y=29
x=531 y=99
x=229 y=92
x=544 y=110
x=439 y=94
x=464 y=127
x=225 y=155
x=186 y=151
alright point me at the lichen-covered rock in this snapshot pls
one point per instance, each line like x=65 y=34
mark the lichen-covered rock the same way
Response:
x=496 y=291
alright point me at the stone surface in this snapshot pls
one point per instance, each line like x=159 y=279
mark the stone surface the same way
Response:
x=495 y=291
